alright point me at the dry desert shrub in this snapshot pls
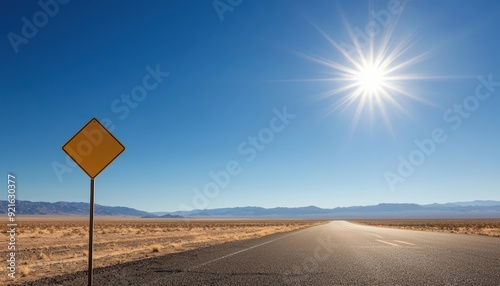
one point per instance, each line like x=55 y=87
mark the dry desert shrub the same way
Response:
x=177 y=246
x=24 y=270
x=42 y=256
x=155 y=248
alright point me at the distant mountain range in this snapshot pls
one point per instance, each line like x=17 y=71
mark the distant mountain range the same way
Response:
x=474 y=209
x=68 y=208
x=162 y=216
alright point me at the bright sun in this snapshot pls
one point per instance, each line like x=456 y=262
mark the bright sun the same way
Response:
x=371 y=79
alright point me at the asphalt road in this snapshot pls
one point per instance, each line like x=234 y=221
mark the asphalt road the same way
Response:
x=337 y=253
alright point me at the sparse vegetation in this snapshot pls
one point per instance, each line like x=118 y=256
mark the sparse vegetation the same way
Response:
x=42 y=256
x=61 y=243
x=24 y=271
x=155 y=248
x=489 y=227
x=178 y=247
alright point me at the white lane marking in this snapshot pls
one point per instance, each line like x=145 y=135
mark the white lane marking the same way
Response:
x=403 y=242
x=243 y=250
x=386 y=242
x=376 y=235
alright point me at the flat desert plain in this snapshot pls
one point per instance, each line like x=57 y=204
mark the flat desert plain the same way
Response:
x=489 y=227
x=53 y=245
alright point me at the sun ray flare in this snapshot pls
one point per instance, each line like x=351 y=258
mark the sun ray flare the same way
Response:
x=373 y=77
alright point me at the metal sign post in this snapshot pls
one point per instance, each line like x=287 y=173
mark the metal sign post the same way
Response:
x=93 y=148
x=91 y=229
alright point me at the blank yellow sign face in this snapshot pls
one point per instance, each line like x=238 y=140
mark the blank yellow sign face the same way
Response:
x=93 y=148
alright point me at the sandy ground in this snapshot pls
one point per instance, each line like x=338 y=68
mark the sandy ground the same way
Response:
x=488 y=227
x=49 y=246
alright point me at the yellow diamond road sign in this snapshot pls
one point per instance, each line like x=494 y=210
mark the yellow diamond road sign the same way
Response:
x=93 y=148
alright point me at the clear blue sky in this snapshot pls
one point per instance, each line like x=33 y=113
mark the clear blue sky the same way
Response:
x=227 y=71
